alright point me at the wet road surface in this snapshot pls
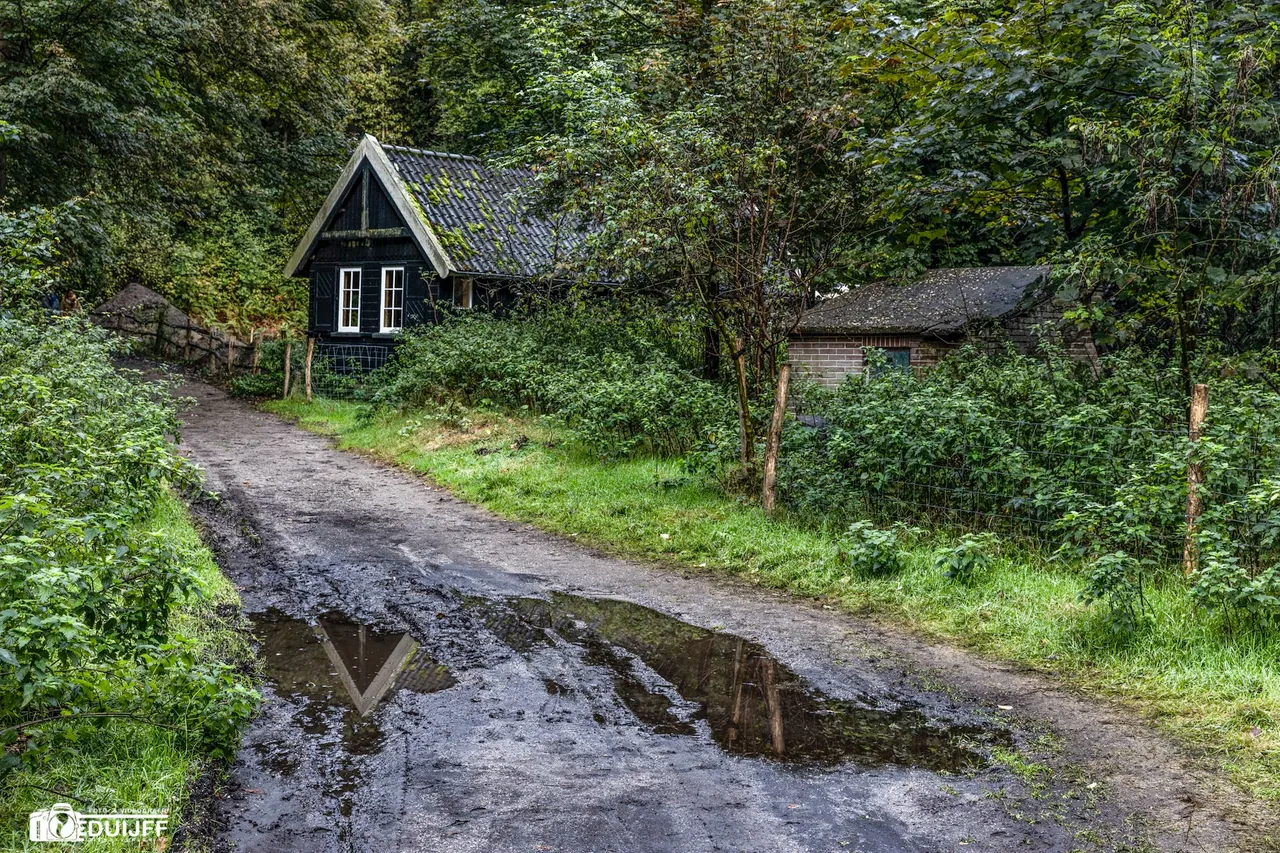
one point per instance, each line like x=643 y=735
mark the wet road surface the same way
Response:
x=442 y=679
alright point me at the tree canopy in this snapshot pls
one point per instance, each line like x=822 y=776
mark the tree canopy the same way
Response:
x=742 y=156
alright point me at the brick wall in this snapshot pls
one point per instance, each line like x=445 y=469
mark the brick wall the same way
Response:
x=827 y=359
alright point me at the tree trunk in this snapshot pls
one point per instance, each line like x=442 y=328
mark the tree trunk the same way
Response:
x=744 y=405
x=769 y=496
x=710 y=353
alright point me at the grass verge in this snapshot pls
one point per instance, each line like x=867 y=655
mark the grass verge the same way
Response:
x=116 y=765
x=1218 y=693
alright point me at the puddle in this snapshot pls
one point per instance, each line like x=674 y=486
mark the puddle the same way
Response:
x=753 y=704
x=341 y=670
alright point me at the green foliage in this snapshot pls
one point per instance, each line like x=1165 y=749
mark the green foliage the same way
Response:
x=618 y=387
x=1115 y=579
x=269 y=380
x=1235 y=583
x=871 y=552
x=200 y=137
x=27 y=256
x=87 y=593
x=968 y=558
x=1040 y=447
x=1134 y=143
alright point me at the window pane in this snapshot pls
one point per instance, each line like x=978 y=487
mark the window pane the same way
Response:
x=349 y=307
x=392 y=299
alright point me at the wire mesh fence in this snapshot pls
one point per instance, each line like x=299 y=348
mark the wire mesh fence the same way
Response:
x=341 y=371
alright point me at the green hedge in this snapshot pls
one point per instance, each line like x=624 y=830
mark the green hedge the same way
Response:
x=618 y=387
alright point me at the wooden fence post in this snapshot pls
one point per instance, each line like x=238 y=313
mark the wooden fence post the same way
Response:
x=231 y=351
x=256 y=340
x=1195 y=477
x=311 y=348
x=769 y=498
x=288 y=364
x=186 y=345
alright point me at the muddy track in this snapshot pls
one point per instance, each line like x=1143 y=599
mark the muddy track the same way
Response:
x=442 y=679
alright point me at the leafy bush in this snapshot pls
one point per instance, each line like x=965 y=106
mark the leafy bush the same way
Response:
x=618 y=387
x=872 y=552
x=968 y=558
x=84 y=629
x=1115 y=580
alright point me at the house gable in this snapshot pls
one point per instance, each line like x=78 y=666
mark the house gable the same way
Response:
x=369 y=200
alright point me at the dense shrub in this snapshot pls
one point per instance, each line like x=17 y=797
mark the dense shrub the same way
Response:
x=84 y=625
x=871 y=552
x=968 y=558
x=617 y=386
x=1040 y=446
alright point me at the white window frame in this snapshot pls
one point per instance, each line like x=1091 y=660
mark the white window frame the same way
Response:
x=342 y=297
x=382 y=302
x=468 y=288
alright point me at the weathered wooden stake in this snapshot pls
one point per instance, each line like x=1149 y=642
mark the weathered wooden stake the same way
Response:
x=1195 y=477
x=288 y=366
x=186 y=345
x=256 y=340
x=769 y=498
x=231 y=351
x=311 y=347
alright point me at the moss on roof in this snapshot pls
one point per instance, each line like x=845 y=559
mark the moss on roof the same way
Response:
x=941 y=301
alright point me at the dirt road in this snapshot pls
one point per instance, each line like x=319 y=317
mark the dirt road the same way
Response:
x=442 y=679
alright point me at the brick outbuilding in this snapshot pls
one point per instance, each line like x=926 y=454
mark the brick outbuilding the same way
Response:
x=917 y=323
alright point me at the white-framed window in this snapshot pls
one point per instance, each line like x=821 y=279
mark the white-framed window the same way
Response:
x=392 y=299
x=462 y=293
x=349 y=300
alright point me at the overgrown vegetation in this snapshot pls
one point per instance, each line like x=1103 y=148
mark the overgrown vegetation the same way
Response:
x=618 y=383
x=1087 y=468
x=107 y=636
x=107 y=764
x=89 y=591
x=1219 y=692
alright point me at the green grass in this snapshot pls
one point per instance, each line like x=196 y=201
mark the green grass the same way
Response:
x=115 y=765
x=1219 y=694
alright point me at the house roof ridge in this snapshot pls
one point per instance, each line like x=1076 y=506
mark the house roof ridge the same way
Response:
x=449 y=154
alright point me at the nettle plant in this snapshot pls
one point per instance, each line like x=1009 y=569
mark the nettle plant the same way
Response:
x=968 y=558
x=1115 y=580
x=871 y=552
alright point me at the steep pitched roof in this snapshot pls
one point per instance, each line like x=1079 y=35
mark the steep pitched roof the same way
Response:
x=465 y=217
x=478 y=215
x=942 y=301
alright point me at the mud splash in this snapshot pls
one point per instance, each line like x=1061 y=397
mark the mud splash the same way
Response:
x=671 y=675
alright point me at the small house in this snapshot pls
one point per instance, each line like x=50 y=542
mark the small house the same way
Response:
x=406 y=234
x=917 y=323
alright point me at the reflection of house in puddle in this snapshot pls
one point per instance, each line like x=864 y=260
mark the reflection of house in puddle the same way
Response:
x=369 y=662
x=365 y=660
x=359 y=667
